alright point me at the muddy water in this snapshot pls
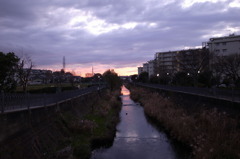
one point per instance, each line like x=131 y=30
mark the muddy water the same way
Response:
x=136 y=138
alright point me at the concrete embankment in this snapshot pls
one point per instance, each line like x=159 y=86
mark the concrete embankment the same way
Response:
x=67 y=129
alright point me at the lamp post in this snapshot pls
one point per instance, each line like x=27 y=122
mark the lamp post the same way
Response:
x=99 y=78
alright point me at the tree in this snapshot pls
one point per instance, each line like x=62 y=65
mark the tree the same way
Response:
x=183 y=79
x=24 y=71
x=143 y=77
x=134 y=78
x=164 y=79
x=206 y=79
x=228 y=67
x=193 y=61
x=8 y=63
x=154 y=79
x=112 y=79
x=97 y=77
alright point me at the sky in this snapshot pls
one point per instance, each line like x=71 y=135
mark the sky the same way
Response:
x=110 y=34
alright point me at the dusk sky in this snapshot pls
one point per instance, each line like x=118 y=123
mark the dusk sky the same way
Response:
x=110 y=34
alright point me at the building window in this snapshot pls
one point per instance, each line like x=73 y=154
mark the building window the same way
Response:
x=224 y=50
x=224 y=43
x=217 y=51
x=217 y=44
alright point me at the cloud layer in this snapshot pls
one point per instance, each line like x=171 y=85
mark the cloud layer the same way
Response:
x=110 y=34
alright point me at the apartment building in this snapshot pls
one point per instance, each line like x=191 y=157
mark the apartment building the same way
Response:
x=165 y=62
x=147 y=67
x=224 y=46
x=191 y=61
x=140 y=70
x=151 y=66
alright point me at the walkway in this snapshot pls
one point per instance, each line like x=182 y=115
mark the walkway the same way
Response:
x=12 y=102
x=216 y=93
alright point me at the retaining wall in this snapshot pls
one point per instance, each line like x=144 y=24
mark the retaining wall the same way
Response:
x=36 y=132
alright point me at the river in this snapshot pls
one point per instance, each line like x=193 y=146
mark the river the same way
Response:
x=136 y=138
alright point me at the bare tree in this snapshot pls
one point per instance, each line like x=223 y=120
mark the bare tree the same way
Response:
x=24 y=71
x=193 y=62
x=228 y=67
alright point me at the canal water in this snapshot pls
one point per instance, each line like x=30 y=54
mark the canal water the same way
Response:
x=136 y=138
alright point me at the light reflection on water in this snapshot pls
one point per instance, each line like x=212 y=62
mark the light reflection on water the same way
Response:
x=125 y=91
x=135 y=137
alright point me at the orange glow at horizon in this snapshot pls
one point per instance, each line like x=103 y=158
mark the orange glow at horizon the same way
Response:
x=82 y=70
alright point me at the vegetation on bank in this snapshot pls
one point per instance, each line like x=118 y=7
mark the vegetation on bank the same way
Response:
x=96 y=128
x=210 y=134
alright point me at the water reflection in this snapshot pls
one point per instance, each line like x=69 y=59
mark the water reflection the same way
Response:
x=125 y=91
x=135 y=137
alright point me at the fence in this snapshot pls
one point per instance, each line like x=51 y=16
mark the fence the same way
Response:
x=218 y=93
x=19 y=101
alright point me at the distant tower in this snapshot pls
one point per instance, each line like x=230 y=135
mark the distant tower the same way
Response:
x=64 y=63
x=92 y=71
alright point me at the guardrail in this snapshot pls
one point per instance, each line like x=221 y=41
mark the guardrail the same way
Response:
x=217 y=93
x=19 y=101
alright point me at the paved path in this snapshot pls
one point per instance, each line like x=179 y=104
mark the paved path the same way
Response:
x=17 y=102
x=216 y=93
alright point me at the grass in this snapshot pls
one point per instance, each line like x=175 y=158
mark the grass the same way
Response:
x=95 y=129
x=211 y=134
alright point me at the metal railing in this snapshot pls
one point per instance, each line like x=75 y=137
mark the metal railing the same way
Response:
x=218 y=93
x=19 y=101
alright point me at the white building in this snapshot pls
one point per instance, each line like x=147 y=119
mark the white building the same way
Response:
x=147 y=67
x=38 y=76
x=225 y=45
x=150 y=68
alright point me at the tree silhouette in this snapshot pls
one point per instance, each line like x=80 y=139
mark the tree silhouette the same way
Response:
x=8 y=68
x=112 y=79
x=24 y=71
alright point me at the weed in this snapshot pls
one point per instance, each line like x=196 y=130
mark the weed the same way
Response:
x=211 y=134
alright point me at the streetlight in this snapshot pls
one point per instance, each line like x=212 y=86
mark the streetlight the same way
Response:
x=99 y=78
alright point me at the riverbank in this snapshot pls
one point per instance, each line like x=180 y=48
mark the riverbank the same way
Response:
x=69 y=130
x=95 y=129
x=210 y=133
